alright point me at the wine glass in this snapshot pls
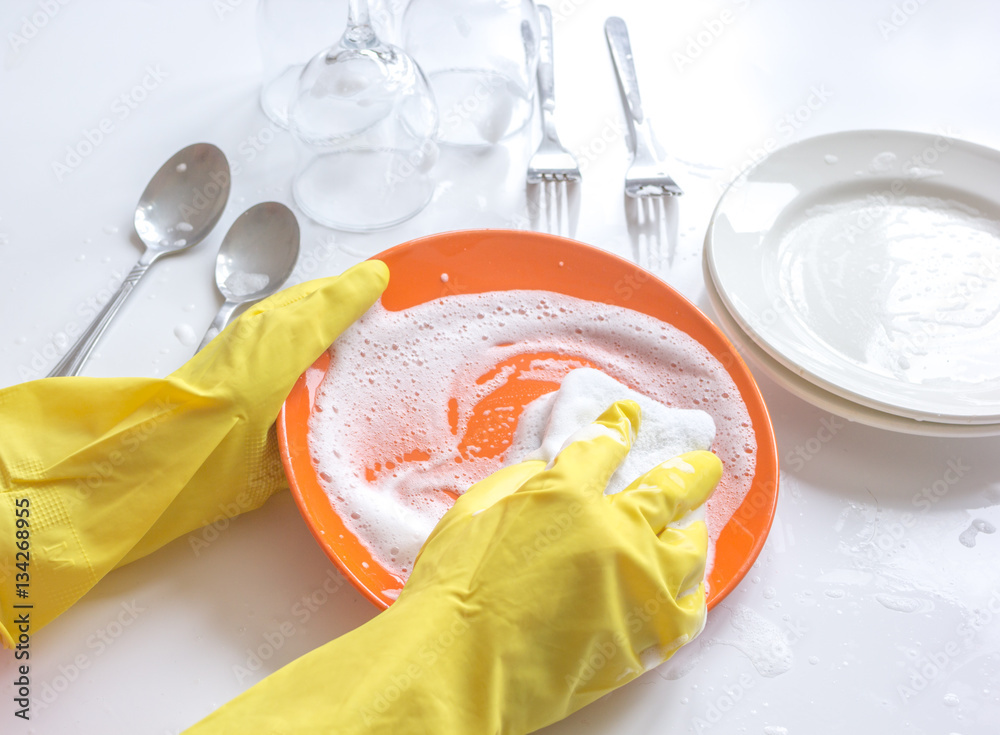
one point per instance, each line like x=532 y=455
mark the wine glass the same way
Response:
x=480 y=57
x=366 y=121
x=289 y=32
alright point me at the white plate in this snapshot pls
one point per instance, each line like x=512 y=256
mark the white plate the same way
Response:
x=761 y=362
x=868 y=263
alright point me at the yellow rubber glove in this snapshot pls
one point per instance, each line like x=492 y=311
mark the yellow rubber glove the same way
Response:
x=106 y=470
x=535 y=595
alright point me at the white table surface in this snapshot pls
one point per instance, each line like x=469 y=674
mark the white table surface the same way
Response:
x=863 y=614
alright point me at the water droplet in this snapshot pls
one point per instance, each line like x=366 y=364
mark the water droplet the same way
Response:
x=834 y=593
x=830 y=158
x=769 y=593
x=444 y=278
x=179 y=243
x=182 y=167
x=185 y=334
x=184 y=227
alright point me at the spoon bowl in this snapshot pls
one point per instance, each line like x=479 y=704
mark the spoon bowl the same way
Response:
x=179 y=207
x=257 y=256
x=184 y=200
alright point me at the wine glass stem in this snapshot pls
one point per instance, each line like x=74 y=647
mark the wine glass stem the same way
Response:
x=359 y=33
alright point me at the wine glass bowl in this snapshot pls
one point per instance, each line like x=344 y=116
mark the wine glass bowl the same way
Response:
x=480 y=57
x=365 y=120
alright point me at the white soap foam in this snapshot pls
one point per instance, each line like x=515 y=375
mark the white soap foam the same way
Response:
x=761 y=641
x=583 y=396
x=244 y=284
x=185 y=334
x=412 y=409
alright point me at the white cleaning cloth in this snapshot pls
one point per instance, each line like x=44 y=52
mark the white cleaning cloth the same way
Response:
x=549 y=422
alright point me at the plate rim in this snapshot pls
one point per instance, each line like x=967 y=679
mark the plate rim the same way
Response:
x=827 y=401
x=774 y=352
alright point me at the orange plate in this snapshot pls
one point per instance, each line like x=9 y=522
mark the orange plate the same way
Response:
x=496 y=260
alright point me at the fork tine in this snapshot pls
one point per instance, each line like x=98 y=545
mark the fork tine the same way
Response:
x=561 y=208
x=554 y=206
x=549 y=206
x=652 y=227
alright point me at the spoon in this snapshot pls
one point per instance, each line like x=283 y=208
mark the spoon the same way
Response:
x=256 y=258
x=180 y=206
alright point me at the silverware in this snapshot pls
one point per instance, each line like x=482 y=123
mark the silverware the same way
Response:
x=256 y=258
x=179 y=207
x=551 y=162
x=646 y=176
x=552 y=165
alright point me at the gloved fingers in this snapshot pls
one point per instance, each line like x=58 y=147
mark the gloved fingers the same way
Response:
x=273 y=342
x=678 y=624
x=489 y=490
x=682 y=557
x=354 y=281
x=343 y=299
x=672 y=489
x=592 y=455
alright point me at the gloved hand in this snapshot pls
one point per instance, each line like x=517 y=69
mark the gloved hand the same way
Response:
x=111 y=469
x=535 y=595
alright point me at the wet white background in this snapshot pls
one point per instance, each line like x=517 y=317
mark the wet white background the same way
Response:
x=865 y=612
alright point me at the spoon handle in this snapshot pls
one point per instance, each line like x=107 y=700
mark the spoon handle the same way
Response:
x=219 y=323
x=77 y=355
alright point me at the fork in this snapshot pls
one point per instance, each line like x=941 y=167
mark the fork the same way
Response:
x=551 y=162
x=646 y=176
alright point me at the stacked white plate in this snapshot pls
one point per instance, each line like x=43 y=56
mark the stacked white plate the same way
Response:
x=861 y=270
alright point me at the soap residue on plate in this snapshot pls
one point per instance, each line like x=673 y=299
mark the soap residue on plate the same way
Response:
x=882 y=163
x=418 y=405
x=763 y=642
x=978 y=526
